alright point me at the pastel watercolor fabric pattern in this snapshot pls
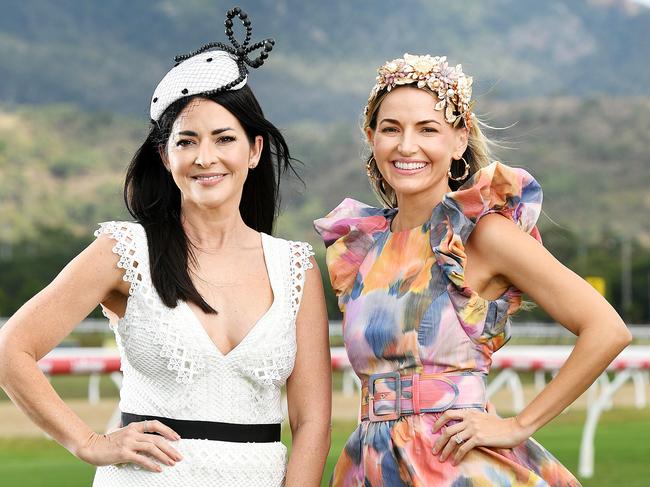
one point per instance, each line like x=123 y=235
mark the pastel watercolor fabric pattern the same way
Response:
x=407 y=309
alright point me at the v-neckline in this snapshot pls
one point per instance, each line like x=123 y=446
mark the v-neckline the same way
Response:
x=255 y=325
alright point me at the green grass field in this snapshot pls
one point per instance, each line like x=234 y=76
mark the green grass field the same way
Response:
x=622 y=453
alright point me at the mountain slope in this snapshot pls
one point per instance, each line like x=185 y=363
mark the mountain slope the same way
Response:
x=63 y=167
x=110 y=55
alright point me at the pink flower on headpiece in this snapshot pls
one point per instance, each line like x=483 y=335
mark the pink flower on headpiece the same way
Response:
x=394 y=73
x=447 y=74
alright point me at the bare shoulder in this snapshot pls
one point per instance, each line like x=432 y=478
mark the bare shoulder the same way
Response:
x=313 y=277
x=101 y=252
x=492 y=228
x=101 y=256
x=103 y=246
x=499 y=247
x=313 y=298
x=94 y=267
x=313 y=266
x=496 y=235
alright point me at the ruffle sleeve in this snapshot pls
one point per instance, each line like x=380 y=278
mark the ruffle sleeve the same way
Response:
x=349 y=232
x=497 y=188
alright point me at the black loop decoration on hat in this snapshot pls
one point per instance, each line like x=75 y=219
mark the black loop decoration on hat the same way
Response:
x=240 y=51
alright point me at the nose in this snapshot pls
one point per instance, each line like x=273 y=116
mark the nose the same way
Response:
x=407 y=145
x=203 y=163
x=206 y=156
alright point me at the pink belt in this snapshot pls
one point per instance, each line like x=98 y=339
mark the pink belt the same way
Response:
x=387 y=396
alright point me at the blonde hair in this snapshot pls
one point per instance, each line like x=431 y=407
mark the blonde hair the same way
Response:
x=478 y=153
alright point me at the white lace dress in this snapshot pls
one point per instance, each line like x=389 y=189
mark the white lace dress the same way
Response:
x=173 y=369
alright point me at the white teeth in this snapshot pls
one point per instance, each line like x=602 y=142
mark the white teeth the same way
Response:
x=409 y=165
x=209 y=178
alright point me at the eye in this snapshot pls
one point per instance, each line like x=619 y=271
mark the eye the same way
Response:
x=429 y=130
x=183 y=143
x=389 y=130
x=225 y=139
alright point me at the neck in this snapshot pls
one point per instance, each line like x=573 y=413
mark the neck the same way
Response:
x=415 y=209
x=214 y=229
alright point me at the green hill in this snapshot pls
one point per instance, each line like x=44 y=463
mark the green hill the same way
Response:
x=571 y=75
x=61 y=172
x=63 y=167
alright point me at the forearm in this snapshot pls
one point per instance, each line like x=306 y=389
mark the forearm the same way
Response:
x=595 y=348
x=30 y=390
x=310 y=446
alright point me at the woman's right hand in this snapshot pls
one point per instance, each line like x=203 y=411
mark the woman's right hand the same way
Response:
x=134 y=443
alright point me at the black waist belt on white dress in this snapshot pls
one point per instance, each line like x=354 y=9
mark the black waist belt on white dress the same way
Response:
x=210 y=430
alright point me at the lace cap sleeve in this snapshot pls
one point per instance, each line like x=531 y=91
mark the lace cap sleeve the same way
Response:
x=497 y=188
x=299 y=263
x=127 y=236
x=349 y=232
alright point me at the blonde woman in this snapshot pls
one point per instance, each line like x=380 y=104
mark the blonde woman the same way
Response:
x=427 y=285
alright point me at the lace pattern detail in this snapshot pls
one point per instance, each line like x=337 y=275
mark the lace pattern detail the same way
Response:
x=171 y=367
x=206 y=463
x=126 y=248
x=299 y=264
x=175 y=342
x=179 y=345
x=272 y=363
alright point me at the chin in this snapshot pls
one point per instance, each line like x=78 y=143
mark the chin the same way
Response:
x=411 y=189
x=204 y=201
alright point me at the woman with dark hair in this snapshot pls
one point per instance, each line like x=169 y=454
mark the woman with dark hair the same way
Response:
x=212 y=315
x=427 y=285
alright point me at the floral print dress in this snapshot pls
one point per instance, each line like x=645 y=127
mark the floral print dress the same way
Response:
x=407 y=310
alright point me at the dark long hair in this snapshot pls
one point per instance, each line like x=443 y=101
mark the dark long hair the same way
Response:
x=154 y=200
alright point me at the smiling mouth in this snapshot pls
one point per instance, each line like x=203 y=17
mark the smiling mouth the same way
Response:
x=208 y=177
x=409 y=165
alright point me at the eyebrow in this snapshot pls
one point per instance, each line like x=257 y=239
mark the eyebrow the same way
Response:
x=396 y=122
x=191 y=133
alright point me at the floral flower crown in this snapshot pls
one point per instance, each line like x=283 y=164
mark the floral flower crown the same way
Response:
x=449 y=83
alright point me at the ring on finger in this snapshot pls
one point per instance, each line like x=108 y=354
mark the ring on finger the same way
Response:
x=458 y=439
x=145 y=426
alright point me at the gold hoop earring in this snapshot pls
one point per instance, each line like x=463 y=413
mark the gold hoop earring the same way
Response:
x=372 y=171
x=464 y=175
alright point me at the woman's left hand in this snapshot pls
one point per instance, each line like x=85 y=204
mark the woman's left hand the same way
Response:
x=475 y=428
